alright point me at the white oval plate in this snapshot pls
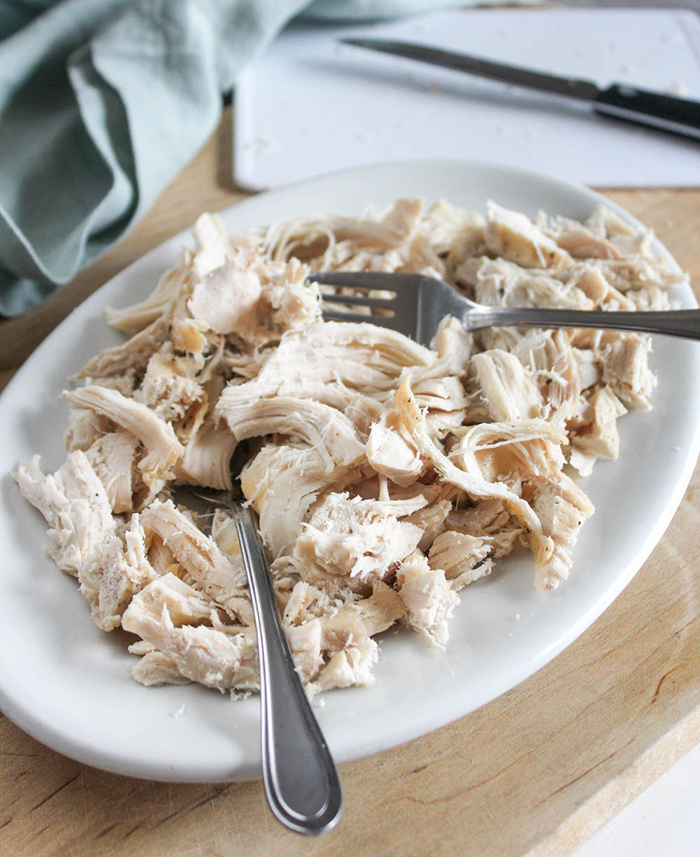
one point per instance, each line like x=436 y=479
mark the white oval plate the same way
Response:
x=67 y=683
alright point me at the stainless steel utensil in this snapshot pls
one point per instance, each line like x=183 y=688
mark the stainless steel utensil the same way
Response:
x=620 y=101
x=300 y=777
x=301 y=781
x=419 y=304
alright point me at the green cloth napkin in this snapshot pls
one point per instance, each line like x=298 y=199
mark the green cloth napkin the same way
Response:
x=102 y=102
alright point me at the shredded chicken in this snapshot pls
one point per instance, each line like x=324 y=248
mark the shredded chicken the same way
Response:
x=387 y=476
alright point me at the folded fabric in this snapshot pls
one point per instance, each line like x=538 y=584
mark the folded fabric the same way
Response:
x=102 y=102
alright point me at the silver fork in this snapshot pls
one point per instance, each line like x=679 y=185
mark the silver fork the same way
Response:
x=301 y=781
x=419 y=304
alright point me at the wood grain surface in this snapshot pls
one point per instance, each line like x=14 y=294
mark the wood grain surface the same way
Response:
x=535 y=772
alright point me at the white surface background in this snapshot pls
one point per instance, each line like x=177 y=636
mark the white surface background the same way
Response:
x=664 y=821
x=309 y=105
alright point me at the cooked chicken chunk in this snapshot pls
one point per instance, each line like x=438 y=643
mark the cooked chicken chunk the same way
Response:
x=358 y=541
x=282 y=483
x=391 y=453
x=527 y=458
x=112 y=457
x=503 y=387
x=462 y=557
x=156 y=435
x=83 y=536
x=598 y=434
x=428 y=598
x=164 y=614
x=202 y=562
x=511 y=235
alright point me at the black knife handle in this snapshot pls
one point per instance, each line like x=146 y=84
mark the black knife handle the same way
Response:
x=665 y=112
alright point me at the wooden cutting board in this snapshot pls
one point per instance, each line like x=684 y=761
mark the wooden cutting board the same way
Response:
x=535 y=772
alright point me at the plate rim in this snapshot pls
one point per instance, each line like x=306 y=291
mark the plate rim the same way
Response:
x=96 y=758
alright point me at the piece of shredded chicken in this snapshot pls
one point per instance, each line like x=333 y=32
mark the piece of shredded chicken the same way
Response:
x=387 y=476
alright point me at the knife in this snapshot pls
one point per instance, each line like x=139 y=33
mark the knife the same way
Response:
x=621 y=101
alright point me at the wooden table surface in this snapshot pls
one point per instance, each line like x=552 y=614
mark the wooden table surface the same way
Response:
x=537 y=771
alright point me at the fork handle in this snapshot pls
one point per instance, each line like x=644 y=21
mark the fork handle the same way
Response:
x=684 y=322
x=300 y=778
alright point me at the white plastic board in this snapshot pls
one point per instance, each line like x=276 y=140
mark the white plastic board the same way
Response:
x=309 y=105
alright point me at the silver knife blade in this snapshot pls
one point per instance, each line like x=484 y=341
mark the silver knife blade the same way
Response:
x=583 y=90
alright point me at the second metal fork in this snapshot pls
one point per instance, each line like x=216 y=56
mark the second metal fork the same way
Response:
x=418 y=304
x=301 y=781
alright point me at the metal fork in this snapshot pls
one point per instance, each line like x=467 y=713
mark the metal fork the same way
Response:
x=419 y=304
x=301 y=781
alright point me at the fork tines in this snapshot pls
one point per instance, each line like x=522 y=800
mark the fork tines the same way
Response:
x=359 y=300
x=369 y=281
x=384 y=309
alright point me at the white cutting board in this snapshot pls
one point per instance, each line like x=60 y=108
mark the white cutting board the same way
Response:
x=309 y=106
